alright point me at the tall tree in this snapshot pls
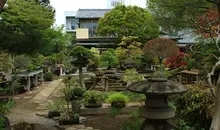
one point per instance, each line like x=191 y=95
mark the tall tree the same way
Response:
x=128 y=21
x=22 y=24
x=174 y=14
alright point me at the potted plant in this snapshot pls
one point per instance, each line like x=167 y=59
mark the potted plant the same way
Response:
x=80 y=58
x=75 y=95
x=117 y=100
x=68 y=118
x=55 y=107
x=91 y=98
x=108 y=59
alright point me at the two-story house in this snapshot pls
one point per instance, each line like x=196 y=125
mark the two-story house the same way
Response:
x=82 y=24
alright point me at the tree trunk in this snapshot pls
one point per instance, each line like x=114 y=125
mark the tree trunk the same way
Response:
x=81 y=78
x=216 y=116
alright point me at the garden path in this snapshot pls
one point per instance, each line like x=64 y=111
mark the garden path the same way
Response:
x=27 y=103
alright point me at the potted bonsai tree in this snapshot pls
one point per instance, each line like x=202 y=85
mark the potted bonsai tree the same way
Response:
x=75 y=95
x=68 y=117
x=91 y=98
x=55 y=107
x=108 y=59
x=117 y=100
x=129 y=52
x=80 y=58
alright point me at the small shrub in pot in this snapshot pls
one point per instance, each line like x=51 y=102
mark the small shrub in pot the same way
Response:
x=91 y=98
x=76 y=93
x=118 y=100
x=55 y=107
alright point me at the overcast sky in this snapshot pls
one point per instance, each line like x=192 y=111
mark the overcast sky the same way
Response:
x=74 y=5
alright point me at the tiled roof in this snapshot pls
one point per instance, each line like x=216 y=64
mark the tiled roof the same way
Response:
x=70 y=13
x=183 y=37
x=91 y=13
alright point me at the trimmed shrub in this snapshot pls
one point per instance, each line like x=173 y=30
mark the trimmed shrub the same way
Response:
x=48 y=76
x=117 y=100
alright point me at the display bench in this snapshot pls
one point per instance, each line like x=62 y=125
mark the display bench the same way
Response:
x=28 y=75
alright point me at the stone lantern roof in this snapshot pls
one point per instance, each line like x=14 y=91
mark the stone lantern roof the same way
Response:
x=157 y=86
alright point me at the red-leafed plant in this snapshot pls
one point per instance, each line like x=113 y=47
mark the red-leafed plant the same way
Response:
x=177 y=61
x=208 y=23
x=161 y=48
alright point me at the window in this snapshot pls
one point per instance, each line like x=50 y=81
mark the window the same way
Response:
x=73 y=23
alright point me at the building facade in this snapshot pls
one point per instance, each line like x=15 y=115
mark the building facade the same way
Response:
x=112 y=3
x=82 y=24
x=71 y=22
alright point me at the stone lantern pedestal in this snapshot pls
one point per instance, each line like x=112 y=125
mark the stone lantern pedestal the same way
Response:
x=156 y=110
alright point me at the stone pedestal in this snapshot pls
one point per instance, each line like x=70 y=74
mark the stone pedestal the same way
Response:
x=156 y=112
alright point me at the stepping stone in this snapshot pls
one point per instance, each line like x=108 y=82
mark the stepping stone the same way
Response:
x=80 y=126
x=42 y=113
x=56 y=118
x=16 y=97
x=71 y=128
x=27 y=97
x=89 y=128
x=41 y=108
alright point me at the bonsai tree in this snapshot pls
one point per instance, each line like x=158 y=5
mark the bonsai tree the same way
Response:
x=117 y=100
x=108 y=59
x=93 y=63
x=92 y=97
x=129 y=51
x=80 y=58
x=161 y=48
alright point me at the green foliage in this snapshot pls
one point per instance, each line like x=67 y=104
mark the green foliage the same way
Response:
x=114 y=111
x=21 y=62
x=191 y=64
x=92 y=96
x=57 y=41
x=175 y=15
x=128 y=21
x=117 y=99
x=129 y=51
x=81 y=56
x=146 y=60
x=76 y=93
x=6 y=107
x=2 y=123
x=94 y=62
x=23 y=23
x=131 y=76
x=56 y=105
x=133 y=124
x=195 y=106
x=136 y=97
x=182 y=125
x=48 y=76
x=108 y=59
x=6 y=63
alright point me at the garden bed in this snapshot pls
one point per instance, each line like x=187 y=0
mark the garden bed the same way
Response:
x=106 y=109
x=107 y=122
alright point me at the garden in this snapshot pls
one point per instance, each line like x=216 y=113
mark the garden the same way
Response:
x=145 y=82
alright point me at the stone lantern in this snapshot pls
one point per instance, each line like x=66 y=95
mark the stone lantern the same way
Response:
x=156 y=110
